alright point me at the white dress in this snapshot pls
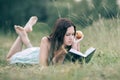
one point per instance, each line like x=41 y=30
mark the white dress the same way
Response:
x=27 y=56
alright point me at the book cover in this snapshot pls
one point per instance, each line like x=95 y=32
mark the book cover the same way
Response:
x=74 y=55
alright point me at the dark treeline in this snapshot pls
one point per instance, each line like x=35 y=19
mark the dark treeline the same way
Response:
x=83 y=13
x=19 y=11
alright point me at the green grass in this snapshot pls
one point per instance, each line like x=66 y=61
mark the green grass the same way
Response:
x=104 y=35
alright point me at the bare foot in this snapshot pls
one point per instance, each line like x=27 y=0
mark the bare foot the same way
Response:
x=20 y=30
x=30 y=23
x=23 y=35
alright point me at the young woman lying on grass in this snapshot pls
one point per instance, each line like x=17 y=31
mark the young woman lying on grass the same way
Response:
x=53 y=48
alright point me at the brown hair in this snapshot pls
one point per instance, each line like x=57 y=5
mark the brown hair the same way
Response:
x=57 y=36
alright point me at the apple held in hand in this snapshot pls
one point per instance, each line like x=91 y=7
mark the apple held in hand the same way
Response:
x=79 y=34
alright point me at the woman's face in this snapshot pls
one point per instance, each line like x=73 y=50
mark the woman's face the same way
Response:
x=69 y=36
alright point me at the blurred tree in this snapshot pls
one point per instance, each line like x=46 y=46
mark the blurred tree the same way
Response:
x=19 y=11
x=105 y=8
x=109 y=9
x=82 y=13
x=96 y=9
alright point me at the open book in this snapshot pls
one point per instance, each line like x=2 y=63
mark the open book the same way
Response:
x=86 y=57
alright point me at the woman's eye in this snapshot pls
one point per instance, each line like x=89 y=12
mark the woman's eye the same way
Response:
x=67 y=34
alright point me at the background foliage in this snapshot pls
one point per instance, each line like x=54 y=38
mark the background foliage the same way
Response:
x=83 y=13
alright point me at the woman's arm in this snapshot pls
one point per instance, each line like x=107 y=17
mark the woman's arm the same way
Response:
x=44 y=51
x=76 y=46
x=78 y=37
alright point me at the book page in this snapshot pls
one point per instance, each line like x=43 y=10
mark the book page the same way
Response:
x=89 y=51
x=76 y=52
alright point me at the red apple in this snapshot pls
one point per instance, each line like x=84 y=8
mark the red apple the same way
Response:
x=79 y=34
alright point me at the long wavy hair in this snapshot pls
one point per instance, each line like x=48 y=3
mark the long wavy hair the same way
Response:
x=56 y=38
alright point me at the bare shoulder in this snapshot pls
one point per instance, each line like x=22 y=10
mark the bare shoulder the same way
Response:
x=45 y=40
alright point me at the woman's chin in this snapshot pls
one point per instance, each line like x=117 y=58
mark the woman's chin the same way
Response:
x=69 y=44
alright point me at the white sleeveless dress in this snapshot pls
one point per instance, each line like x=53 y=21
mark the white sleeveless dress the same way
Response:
x=27 y=56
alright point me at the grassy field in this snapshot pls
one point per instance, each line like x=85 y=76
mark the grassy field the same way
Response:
x=104 y=35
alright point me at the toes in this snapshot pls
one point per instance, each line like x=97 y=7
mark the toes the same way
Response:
x=19 y=28
x=33 y=20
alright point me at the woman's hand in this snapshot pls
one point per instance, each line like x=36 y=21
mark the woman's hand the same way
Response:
x=78 y=37
x=77 y=40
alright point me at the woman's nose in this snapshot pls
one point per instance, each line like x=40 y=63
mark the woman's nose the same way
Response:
x=71 y=37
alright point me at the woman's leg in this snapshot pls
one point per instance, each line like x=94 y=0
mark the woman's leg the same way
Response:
x=23 y=35
x=30 y=23
x=17 y=45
